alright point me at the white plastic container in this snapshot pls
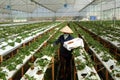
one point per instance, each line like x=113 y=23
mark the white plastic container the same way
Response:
x=74 y=43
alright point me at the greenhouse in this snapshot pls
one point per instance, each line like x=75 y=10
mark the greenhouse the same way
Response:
x=59 y=39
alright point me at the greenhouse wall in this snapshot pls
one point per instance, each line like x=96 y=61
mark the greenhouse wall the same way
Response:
x=103 y=10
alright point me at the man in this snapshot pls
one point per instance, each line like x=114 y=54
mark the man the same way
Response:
x=65 y=55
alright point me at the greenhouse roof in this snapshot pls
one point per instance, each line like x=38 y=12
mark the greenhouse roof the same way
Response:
x=53 y=5
x=17 y=5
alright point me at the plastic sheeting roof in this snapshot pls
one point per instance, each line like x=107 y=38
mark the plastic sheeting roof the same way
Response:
x=56 y=5
x=17 y=5
x=53 y=5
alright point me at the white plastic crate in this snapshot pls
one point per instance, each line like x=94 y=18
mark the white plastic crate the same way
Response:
x=74 y=43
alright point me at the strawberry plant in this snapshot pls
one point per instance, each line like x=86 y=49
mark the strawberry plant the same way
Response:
x=11 y=67
x=105 y=57
x=42 y=62
x=2 y=76
x=18 y=40
x=11 y=43
x=81 y=66
x=29 y=78
x=76 y=52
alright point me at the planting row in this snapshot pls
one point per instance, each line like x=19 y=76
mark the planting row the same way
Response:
x=105 y=30
x=102 y=54
x=24 y=31
x=38 y=68
x=10 y=67
x=14 y=31
x=42 y=62
x=83 y=63
x=10 y=45
x=112 y=48
x=85 y=66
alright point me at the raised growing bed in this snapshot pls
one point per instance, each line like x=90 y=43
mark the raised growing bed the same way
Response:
x=12 y=48
x=84 y=66
x=113 y=46
x=11 y=72
x=42 y=54
x=43 y=58
x=104 y=61
x=38 y=68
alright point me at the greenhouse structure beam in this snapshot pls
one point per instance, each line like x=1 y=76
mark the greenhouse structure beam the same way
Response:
x=87 y=5
x=42 y=5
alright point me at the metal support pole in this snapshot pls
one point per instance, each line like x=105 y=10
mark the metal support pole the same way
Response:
x=101 y=12
x=1 y=58
x=53 y=68
x=114 y=17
